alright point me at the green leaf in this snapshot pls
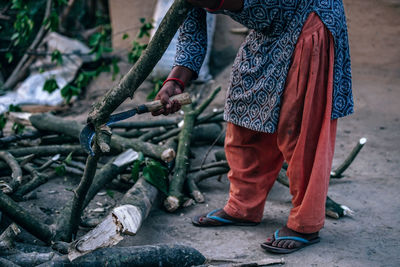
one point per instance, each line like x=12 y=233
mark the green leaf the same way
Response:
x=56 y=56
x=95 y=39
x=69 y=91
x=156 y=174
x=14 y=108
x=136 y=167
x=9 y=57
x=50 y=85
x=60 y=169
x=52 y=21
x=125 y=36
x=18 y=128
x=68 y=159
x=110 y=193
x=3 y=121
x=115 y=68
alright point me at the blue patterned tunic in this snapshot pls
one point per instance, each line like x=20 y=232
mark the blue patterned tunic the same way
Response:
x=262 y=63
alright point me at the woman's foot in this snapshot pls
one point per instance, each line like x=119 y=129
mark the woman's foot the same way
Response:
x=219 y=217
x=286 y=240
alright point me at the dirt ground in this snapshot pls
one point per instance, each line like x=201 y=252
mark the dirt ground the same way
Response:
x=370 y=186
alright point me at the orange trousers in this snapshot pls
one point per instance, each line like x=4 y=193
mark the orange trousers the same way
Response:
x=305 y=139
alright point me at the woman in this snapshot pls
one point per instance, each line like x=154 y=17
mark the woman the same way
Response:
x=290 y=82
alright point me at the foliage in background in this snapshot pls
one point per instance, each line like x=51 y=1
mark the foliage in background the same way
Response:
x=157 y=84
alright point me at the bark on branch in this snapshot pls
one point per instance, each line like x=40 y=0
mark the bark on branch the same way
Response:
x=24 y=218
x=175 y=198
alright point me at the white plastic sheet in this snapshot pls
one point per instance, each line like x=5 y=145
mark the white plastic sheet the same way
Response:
x=164 y=66
x=30 y=91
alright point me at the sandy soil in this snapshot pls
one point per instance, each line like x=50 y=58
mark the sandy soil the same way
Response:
x=370 y=186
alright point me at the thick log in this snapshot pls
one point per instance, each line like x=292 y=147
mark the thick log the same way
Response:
x=31 y=259
x=48 y=122
x=16 y=173
x=138 y=73
x=170 y=255
x=125 y=219
x=24 y=218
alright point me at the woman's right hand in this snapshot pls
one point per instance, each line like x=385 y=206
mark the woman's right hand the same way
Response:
x=169 y=89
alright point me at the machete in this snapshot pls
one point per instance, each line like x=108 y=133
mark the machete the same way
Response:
x=88 y=132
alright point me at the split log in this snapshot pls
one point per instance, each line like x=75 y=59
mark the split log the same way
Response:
x=7 y=239
x=24 y=218
x=16 y=173
x=168 y=255
x=125 y=219
x=175 y=16
x=337 y=173
x=175 y=196
x=48 y=122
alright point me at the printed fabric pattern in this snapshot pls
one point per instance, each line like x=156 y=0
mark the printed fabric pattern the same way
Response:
x=260 y=69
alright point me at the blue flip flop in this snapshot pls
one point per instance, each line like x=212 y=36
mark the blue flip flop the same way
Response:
x=209 y=219
x=304 y=243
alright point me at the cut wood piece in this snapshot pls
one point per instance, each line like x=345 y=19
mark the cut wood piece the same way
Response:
x=168 y=255
x=337 y=173
x=125 y=219
x=16 y=173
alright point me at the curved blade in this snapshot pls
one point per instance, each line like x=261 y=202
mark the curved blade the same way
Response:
x=86 y=137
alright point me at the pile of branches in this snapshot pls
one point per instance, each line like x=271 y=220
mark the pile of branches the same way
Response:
x=165 y=143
